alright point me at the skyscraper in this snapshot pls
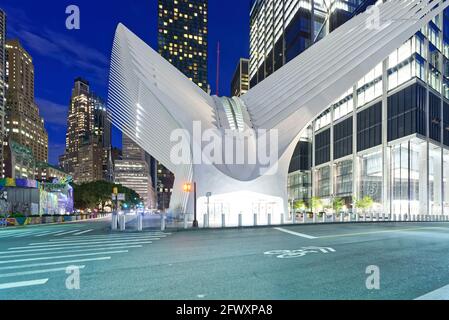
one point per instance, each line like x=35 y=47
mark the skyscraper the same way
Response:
x=22 y=120
x=240 y=80
x=183 y=37
x=88 y=139
x=2 y=86
x=183 y=41
x=282 y=29
x=133 y=172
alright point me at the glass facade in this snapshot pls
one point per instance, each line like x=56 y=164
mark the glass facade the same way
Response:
x=387 y=138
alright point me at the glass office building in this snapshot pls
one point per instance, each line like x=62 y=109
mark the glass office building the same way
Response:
x=387 y=137
x=282 y=29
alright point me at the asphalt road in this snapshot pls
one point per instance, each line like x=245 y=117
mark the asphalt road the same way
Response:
x=296 y=262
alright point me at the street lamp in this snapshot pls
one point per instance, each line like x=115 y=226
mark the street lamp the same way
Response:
x=188 y=188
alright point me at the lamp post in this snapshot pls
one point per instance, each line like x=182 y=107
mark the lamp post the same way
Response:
x=188 y=189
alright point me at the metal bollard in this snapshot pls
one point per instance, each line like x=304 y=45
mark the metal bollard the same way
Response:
x=324 y=218
x=333 y=218
x=163 y=222
x=240 y=220
x=205 y=221
x=185 y=221
x=122 y=223
x=114 y=222
x=139 y=222
x=255 y=219
x=223 y=220
x=371 y=217
x=282 y=219
x=342 y=217
x=314 y=218
x=269 y=219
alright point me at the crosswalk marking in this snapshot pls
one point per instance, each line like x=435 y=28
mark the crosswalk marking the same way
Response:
x=61 y=252
x=85 y=243
x=12 y=285
x=64 y=257
x=27 y=273
x=83 y=232
x=58 y=248
x=54 y=263
x=32 y=249
x=64 y=233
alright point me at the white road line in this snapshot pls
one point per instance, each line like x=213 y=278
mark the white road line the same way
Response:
x=64 y=233
x=46 y=264
x=27 y=273
x=55 y=244
x=48 y=233
x=23 y=235
x=111 y=236
x=62 y=252
x=64 y=257
x=32 y=249
x=439 y=294
x=104 y=240
x=302 y=235
x=377 y=232
x=12 y=285
x=83 y=232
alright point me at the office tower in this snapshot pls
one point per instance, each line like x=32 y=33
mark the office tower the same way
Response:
x=22 y=120
x=387 y=137
x=134 y=172
x=88 y=140
x=240 y=80
x=183 y=37
x=282 y=29
x=2 y=87
x=183 y=41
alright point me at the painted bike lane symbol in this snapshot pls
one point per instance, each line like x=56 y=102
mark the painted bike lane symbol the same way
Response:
x=291 y=254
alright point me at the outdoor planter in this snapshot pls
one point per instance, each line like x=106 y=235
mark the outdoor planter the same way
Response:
x=47 y=219
x=69 y=218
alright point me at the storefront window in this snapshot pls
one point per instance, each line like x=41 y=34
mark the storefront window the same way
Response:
x=371 y=178
x=343 y=178
x=322 y=182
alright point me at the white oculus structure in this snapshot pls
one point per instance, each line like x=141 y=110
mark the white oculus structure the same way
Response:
x=149 y=100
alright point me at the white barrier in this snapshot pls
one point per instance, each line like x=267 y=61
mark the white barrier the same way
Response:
x=269 y=219
x=122 y=220
x=240 y=220
x=223 y=220
x=185 y=222
x=163 y=222
x=139 y=222
x=282 y=219
x=114 y=222
x=255 y=219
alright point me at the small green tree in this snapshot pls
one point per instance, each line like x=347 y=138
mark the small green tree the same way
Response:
x=365 y=203
x=338 y=204
x=300 y=205
x=317 y=204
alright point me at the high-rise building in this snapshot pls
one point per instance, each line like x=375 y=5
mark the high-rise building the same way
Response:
x=387 y=137
x=240 y=80
x=23 y=123
x=282 y=29
x=88 y=140
x=2 y=87
x=183 y=41
x=133 y=172
x=183 y=37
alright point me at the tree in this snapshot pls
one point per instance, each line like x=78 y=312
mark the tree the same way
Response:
x=300 y=205
x=338 y=204
x=317 y=204
x=365 y=203
x=98 y=195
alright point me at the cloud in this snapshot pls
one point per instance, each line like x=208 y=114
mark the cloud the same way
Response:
x=53 y=113
x=58 y=46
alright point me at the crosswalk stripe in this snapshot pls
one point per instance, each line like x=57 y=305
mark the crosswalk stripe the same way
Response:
x=27 y=273
x=71 y=240
x=46 y=264
x=34 y=249
x=61 y=252
x=48 y=233
x=42 y=245
x=66 y=256
x=23 y=235
x=83 y=232
x=64 y=233
x=110 y=236
x=12 y=285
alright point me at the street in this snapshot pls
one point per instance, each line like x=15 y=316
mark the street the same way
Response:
x=327 y=261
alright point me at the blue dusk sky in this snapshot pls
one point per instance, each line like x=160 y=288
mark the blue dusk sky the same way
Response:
x=61 y=55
